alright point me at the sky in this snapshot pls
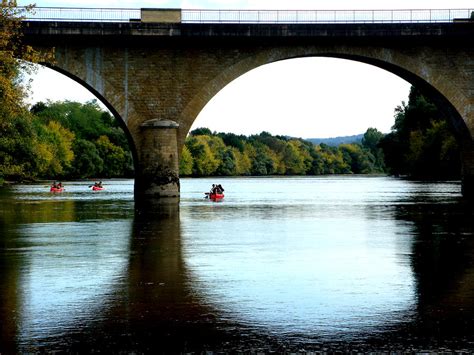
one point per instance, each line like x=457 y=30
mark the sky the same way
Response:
x=306 y=97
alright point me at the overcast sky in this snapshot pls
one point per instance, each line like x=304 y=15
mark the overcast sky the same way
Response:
x=310 y=97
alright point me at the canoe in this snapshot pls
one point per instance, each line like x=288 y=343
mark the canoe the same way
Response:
x=97 y=188
x=216 y=196
x=56 y=189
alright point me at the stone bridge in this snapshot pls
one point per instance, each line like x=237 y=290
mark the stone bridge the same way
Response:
x=156 y=74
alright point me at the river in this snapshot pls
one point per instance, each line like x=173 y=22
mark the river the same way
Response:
x=281 y=264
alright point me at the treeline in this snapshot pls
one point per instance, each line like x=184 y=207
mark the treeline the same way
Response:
x=421 y=145
x=64 y=140
x=226 y=154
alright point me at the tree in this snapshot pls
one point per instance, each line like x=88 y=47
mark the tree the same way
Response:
x=227 y=166
x=205 y=163
x=114 y=157
x=16 y=130
x=371 y=141
x=233 y=140
x=294 y=160
x=360 y=161
x=421 y=144
x=201 y=132
x=55 y=145
x=186 y=162
x=87 y=161
x=17 y=148
x=243 y=163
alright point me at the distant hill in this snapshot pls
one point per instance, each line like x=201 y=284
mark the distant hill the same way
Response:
x=335 y=141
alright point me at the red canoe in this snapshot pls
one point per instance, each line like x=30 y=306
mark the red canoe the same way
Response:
x=216 y=196
x=56 y=189
x=97 y=188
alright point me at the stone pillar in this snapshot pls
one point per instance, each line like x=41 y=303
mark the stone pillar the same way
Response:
x=158 y=175
x=467 y=159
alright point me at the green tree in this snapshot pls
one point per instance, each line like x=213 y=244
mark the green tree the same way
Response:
x=243 y=163
x=18 y=152
x=205 y=163
x=55 y=145
x=186 y=162
x=201 y=132
x=233 y=140
x=293 y=159
x=114 y=157
x=371 y=141
x=333 y=160
x=87 y=161
x=421 y=144
x=360 y=161
x=228 y=165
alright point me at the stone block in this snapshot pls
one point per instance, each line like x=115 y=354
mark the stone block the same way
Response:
x=161 y=15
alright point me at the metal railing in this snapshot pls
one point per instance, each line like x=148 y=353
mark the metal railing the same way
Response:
x=77 y=14
x=254 y=16
x=323 y=16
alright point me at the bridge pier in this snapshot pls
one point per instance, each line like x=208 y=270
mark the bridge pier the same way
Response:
x=467 y=159
x=158 y=165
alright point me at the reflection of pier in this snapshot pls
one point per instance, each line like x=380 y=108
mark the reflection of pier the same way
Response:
x=162 y=312
x=152 y=307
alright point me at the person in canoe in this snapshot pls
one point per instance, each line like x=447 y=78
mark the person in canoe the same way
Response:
x=213 y=188
x=217 y=191
x=56 y=186
x=97 y=186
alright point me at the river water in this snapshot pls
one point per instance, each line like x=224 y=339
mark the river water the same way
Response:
x=281 y=264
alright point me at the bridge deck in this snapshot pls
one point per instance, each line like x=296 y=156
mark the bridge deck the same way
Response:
x=37 y=30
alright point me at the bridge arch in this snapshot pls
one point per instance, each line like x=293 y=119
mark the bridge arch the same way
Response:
x=447 y=95
x=442 y=96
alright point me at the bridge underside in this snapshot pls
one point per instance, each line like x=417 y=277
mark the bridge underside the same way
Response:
x=157 y=77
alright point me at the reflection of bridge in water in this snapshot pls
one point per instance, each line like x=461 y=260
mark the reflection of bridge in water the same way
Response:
x=157 y=69
x=151 y=303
